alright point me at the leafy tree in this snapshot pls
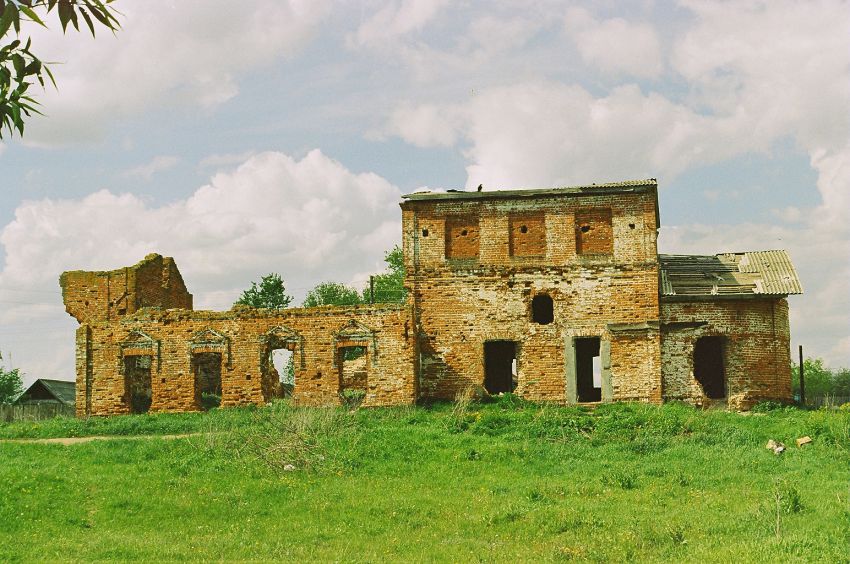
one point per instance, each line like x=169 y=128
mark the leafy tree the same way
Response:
x=841 y=382
x=389 y=286
x=820 y=381
x=332 y=293
x=20 y=67
x=270 y=293
x=11 y=384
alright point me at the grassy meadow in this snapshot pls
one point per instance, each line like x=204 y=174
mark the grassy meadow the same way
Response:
x=501 y=481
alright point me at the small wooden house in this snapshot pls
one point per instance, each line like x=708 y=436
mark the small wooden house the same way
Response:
x=48 y=391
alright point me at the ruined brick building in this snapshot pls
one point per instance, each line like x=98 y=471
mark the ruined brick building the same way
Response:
x=556 y=295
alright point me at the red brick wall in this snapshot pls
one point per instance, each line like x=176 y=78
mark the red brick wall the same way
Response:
x=594 y=235
x=462 y=237
x=389 y=372
x=460 y=306
x=100 y=296
x=527 y=235
x=757 y=353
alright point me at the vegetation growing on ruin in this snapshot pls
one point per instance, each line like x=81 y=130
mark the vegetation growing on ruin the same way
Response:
x=504 y=481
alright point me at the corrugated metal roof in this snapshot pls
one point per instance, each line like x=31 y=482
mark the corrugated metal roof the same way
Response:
x=729 y=274
x=626 y=185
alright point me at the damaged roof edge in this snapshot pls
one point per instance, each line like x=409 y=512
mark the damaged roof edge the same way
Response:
x=608 y=187
x=730 y=275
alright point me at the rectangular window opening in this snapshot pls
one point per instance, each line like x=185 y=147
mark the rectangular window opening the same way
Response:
x=500 y=373
x=588 y=369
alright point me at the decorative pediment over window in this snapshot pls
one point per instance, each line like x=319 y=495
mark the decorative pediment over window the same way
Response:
x=210 y=341
x=355 y=334
x=282 y=337
x=139 y=343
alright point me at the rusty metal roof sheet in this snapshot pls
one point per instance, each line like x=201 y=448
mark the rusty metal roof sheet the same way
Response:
x=610 y=187
x=751 y=273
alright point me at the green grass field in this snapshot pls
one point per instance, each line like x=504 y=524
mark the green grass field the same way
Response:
x=503 y=481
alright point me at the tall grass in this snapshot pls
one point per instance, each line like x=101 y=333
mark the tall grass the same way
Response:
x=504 y=480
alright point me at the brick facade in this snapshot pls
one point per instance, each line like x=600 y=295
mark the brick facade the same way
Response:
x=553 y=294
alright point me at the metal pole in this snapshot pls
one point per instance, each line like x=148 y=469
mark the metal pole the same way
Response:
x=371 y=289
x=802 y=379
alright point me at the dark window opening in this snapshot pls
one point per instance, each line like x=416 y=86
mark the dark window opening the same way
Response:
x=464 y=233
x=708 y=366
x=523 y=229
x=631 y=226
x=588 y=370
x=542 y=309
x=138 y=391
x=585 y=228
x=500 y=367
x=353 y=363
x=424 y=232
x=206 y=368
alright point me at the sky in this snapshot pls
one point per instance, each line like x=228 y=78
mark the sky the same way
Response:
x=261 y=136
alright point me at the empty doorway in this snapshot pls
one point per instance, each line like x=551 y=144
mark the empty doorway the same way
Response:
x=207 y=370
x=708 y=366
x=137 y=383
x=588 y=370
x=500 y=366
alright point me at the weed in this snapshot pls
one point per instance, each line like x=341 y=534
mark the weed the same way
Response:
x=352 y=397
x=621 y=479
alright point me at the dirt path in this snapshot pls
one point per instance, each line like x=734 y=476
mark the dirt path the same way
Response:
x=79 y=440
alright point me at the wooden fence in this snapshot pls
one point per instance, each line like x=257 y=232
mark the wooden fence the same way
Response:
x=827 y=401
x=34 y=412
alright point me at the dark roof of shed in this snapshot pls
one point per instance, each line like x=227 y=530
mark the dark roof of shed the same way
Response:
x=753 y=273
x=62 y=390
x=604 y=188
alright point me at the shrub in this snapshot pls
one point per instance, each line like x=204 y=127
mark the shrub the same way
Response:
x=209 y=401
x=352 y=397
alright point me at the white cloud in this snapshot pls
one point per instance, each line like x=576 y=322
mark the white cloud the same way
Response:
x=309 y=219
x=223 y=160
x=157 y=164
x=393 y=20
x=819 y=318
x=753 y=76
x=427 y=125
x=185 y=54
x=615 y=46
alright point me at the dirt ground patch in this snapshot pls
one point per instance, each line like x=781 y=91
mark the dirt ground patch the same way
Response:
x=79 y=440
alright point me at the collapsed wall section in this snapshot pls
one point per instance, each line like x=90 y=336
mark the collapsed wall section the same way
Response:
x=155 y=281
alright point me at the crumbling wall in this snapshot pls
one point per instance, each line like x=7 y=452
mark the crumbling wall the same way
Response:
x=756 y=343
x=106 y=295
x=525 y=248
x=241 y=337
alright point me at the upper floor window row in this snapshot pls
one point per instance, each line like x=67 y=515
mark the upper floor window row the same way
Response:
x=594 y=234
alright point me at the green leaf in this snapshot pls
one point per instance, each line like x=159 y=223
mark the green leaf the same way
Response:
x=88 y=20
x=33 y=16
x=10 y=14
x=65 y=11
x=18 y=63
